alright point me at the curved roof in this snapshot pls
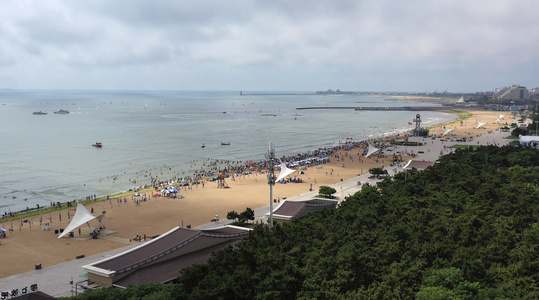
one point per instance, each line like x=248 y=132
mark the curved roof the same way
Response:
x=150 y=251
x=155 y=249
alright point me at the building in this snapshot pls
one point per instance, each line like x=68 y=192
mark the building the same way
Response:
x=161 y=259
x=289 y=210
x=514 y=93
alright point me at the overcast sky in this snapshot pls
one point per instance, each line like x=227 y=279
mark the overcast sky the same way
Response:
x=286 y=45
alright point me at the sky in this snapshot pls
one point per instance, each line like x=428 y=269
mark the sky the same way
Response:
x=278 y=45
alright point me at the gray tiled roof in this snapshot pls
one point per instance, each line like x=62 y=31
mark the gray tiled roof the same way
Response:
x=170 y=269
x=290 y=208
x=150 y=251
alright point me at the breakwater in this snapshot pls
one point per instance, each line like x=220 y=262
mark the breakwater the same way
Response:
x=382 y=108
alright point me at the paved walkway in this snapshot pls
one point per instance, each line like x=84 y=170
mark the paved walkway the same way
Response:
x=55 y=280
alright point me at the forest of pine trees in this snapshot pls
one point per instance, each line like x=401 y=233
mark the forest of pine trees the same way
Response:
x=466 y=228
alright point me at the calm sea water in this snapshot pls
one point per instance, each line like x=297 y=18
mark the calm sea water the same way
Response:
x=49 y=158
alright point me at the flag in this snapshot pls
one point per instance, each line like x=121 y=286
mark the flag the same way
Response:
x=68 y=215
x=40 y=220
x=409 y=123
x=60 y=216
x=50 y=218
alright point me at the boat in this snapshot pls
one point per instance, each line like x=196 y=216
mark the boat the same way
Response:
x=225 y=144
x=97 y=144
x=40 y=113
x=202 y=146
x=61 y=112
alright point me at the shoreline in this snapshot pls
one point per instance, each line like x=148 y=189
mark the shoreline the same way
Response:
x=124 y=220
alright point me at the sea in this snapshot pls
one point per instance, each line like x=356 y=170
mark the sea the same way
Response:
x=50 y=158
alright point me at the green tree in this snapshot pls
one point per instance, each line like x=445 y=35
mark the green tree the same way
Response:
x=327 y=191
x=232 y=215
x=248 y=214
x=378 y=172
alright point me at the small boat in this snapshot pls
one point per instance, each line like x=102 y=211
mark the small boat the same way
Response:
x=61 y=112
x=202 y=146
x=40 y=113
x=225 y=144
x=97 y=144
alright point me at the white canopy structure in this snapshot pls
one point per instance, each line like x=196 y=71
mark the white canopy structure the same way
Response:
x=461 y=100
x=480 y=124
x=371 y=150
x=82 y=215
x=285 y=171
x=500 y=117
x=447 y=130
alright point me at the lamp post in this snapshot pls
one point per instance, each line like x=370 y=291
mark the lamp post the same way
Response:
x=271 y=178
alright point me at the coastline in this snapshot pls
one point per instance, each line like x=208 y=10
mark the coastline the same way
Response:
x=29 y=245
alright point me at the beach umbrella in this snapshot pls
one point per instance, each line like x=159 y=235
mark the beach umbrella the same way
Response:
x=2 y=230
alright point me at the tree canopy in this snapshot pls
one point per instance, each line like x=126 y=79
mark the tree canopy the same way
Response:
x=464 y=228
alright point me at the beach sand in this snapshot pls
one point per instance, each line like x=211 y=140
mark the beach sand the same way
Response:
x=27 y=246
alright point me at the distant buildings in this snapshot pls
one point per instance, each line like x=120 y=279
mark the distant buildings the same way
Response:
x=514 y=93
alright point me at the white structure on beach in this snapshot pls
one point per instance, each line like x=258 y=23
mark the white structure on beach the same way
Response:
x=82 y=215
x=480 y=124
x=285 y=171
x=371 y=150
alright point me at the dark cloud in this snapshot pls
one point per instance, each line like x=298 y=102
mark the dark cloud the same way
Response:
x=280 y=45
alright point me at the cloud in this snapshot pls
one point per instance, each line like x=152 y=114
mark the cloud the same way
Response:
x=277 y=45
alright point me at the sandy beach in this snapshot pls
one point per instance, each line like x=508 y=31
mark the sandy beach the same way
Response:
x=29 y=245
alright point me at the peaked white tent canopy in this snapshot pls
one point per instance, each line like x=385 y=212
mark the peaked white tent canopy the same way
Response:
x=447 y=130
x=461 y=100
x=480 y=124
x=285 y=171
x=500 y=117
x=82 y=215
x=371 y=150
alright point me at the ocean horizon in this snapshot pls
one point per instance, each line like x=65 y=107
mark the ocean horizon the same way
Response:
x=50 y=158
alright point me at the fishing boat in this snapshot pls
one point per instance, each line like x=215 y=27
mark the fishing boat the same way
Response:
x=225 y=144
x=40 y=113
x=97 y=144
x=61 y=112
x=202 y=146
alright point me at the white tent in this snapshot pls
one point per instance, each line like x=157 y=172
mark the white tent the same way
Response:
x=371 y=150
x=447 y=130
x=82 y=215
x=480 y=124
x=285 y=171
x=461 y=100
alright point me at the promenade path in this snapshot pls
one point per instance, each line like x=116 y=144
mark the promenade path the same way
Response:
x=55 y=280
